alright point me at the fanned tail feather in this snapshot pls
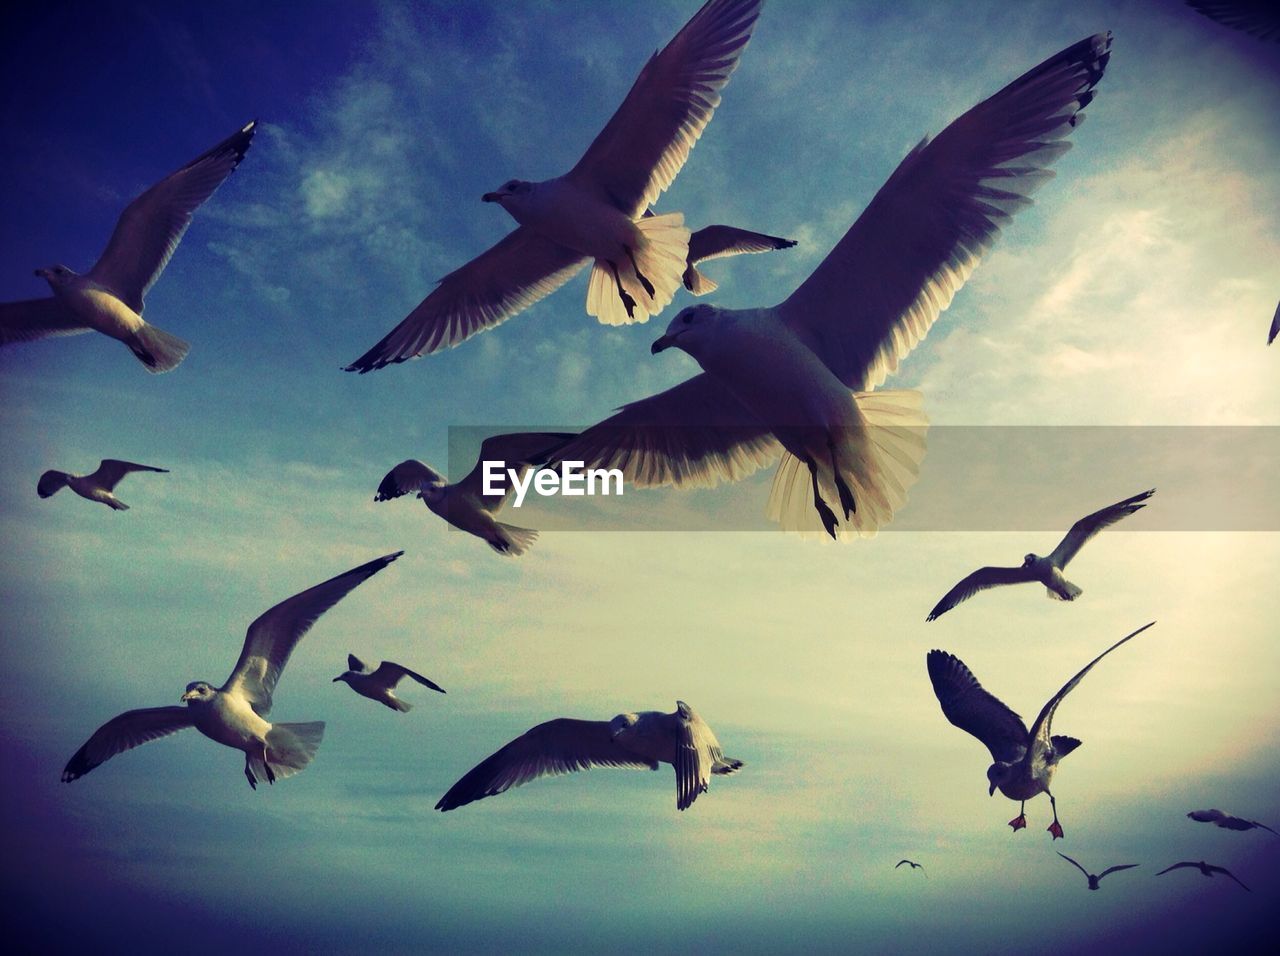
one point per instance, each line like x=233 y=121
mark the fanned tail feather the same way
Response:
x=661 y=255
x=290 y=747
x=514 y=541
x=157 y=349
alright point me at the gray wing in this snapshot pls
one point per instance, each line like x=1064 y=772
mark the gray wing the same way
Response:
x=409 y=476
x=389 y=673
x=695 y=435
x=556 y=747
x=32 y=319
x=980 y=580
x=974 y=710
x=111 y=470
x=1088 y=526
x=643 y=146
x=882 y=287
x=502 y=281
x=1259 y=18
x=129 y=730
x=1116 y=869
x=151 y=226
x=716 y=242
x=1275 y=326
x=519 y=450
x=355 y=664
x=1040 y=730
x=697 y=752
x=272 y=637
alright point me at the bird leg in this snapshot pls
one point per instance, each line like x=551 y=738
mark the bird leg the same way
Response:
x=628 y=303
x=648 y=286
x=1020 y=820
x=846 y=496
x=271 y=776
x=826 y=514
x=1055 y=827
x=248 y=772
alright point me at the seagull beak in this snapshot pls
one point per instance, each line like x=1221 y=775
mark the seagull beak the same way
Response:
x=189 y=695
x=338 y=678
x=491 y=197
x=42 y=273
x=662 y=344
x=991 y=791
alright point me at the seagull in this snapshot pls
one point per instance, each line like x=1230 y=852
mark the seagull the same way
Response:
x=1258 y=18
x=380 y=685
x=1208 y=869
x=564 y=745
x=108 y=298
x=1024 y=759
x=914 y=866
x=719 y=242
x=777 y=381
x=1047 y=570
x=1227 y=822
x=235 y=713
x=1093 y=880
x=464 y=504
x=594 y=213
x=97 y=486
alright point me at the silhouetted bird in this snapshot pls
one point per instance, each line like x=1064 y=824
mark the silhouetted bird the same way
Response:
x=1093 y=880
x=1208 y=869
x=98 y=486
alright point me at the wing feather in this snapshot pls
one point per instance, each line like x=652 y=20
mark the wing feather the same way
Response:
x=974 y=710
x=130 y=729
x=1088 y=526
x=980 y=580
x=111 y=470
x=32 y=319
x=389 y=673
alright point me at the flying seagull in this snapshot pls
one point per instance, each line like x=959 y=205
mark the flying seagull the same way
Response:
x=1048 y=569
x=98 y=486
x=719 y=242
x=914 y=866
x=564 y=745
x=1259 y=18
x=777 y=381
x=1093 y=880
x=108 y=298
x=465 y=504
x=380 y=685
x=235 y=713
x=1208 y=869
x=1024 y=759
x=1227 y=822
x=595 y=212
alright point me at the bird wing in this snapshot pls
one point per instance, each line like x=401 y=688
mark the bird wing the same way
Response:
x=1275 y=326
x=1078 y=866
x=1225 y=872
x=697 y=751
x=1088 y=526
x=408 y=476
x=1040 y=730
x=695 y=434
x=980 y=580
x=389 y=673
x=111 y=470
x=900 y=862
x=129 y=730
x=1179 y=866
x=32 y=319
x=1261 y=20
x=271 y=638
x=151 y=226
x=646 y=142
x=1206 y=816
x=883 y=286
x=974 y=710
x=519 y=450
x=716 y=242
x=563 y=745
x=503 y=280
x=1117 y=868
x=355 y=664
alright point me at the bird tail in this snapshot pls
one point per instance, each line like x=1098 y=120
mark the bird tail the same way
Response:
x=403 y=706
x=660 y=255
x=1068 y=592
x=697 y=283
x=157 y=349
x=882 y=463
x=513 y=541
x=290 y=747
x=726 y=765
x=115 y=503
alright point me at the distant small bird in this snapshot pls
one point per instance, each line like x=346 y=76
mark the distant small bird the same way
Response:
x=465 y=505
x=1047 y=570
x=97 y=486
x=380 y=684
x=1227 y=822
x=108 y=298
x=914 y=866
x=1025 y=760
x=235 y=713
x=640 y=740
x=1208 y=869
x=1093 y=880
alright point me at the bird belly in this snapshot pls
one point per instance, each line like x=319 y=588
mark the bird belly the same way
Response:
x=580 y=222
x=232 y=722
x=101 y=310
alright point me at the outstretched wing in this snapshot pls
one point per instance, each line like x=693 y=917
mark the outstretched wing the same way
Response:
x=716 y=242
x=408 y=476
x=1088 y=526
x=1179 y=866
x=643 y=146
x=1078 y=866
x=131 y=729
x=272 y=637
x=563 y=745
x=111 y=470
x=697 y=754
x=980 y=580
x=355 y=664
x=518 y=450
x=883 y=286
x=974 y=710
x=1255 y=17
x=1271 y=335
x=1116 y=869
x=1225 y=872
x=151 y=226
x=32 y=319
x=389 y=673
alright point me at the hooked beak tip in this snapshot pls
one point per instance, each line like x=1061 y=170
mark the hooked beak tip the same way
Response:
x=660 y=345
x=490 y=197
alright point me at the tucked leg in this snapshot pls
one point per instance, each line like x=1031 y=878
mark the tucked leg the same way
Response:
x=271 y=776
x=648 y=286
x=628 y=303
x=826 y=514
x=248 y=772
x=846 y=495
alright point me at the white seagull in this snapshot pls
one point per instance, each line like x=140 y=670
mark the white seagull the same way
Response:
x=638 y=741
x=98 y=486
x=1094 y=879
x=777 y=381
x=108 y=298
x=1024 y=759
x=1226 y=821
x=1208 y=869
x=595 y=212
x=1048 y=569
x=464 y=504
x=380 y=685
x=235 y=713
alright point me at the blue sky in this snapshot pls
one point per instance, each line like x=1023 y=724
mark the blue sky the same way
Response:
x=1136 y=292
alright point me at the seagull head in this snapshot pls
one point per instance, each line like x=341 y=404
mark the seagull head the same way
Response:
x=57 y=275
x=198 y=690
x=622 y=723
x=997 y=775
x=689 y=329
x=1029 y=559
x=342 y=677
x=511 y=188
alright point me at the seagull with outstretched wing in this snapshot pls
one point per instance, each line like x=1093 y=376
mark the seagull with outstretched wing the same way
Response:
x=380 y=684
x=1095 y=878
x=564 y=745
x=96 y=486
x=1226 y=821
x=235 y=713
x=1024 y=760
x=109 y=297
x=1208 y=869
x=1048 y=569
x=914 y=866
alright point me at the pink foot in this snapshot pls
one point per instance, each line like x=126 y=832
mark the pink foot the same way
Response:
x=1056 y=829
x=1018 y=822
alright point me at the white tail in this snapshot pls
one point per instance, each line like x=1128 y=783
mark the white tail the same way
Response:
x=1067 y=591
x=697 y=283
x=660 y=254
x=401 y=705
x=290 y=747
x=513 y=541
x=157 y=349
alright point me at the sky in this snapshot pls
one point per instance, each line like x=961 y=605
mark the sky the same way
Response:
x=1135 y=293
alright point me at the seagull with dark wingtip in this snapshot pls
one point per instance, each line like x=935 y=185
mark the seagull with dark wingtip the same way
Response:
x=98 y=486
x=380 y=684
x=1095 y=878
x=1226 y=821
x=1208 y=869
